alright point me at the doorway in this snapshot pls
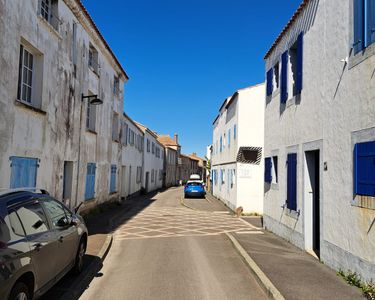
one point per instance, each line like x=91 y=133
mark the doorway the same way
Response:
x=312 y=201
x=67 y=182
x=123 y=182
x=146 y=181
x=130 y=181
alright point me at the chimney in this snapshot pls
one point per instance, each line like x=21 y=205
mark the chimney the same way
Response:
x=194 y=154
x=176 y=138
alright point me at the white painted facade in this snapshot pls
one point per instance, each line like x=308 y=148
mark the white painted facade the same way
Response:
x=45 y=125
x=239 y=124
x=333 y=113
x=132 y=157
x=153 y=161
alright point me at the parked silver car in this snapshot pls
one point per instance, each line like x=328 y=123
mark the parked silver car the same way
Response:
x=40 y=241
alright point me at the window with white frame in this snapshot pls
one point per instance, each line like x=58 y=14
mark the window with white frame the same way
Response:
x=30 y=76
x=48 y=9
x=93 y=59
x=274 y=169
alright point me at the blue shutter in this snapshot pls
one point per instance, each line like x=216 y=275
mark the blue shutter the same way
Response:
x=234 y=131
x=370 y=22
x=268 y=170
x=284 y=77
x=299 y=63
x=90 y=181
x=23 y=172
x=292 y=181
x=364 y=169
x=269 y=82
x=358 y=43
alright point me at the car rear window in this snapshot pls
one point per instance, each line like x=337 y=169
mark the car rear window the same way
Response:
x=194 y=184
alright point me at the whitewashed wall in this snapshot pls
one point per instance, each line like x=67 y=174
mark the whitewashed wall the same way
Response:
x=335 y=111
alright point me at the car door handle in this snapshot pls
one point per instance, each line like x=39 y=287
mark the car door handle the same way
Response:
x=61 y=239
x=37 y=246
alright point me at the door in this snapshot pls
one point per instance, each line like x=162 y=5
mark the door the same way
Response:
x=146 y=181
x=130 y=181
x=67 y=181
x=123 y=181
x=41 y=239
x=312 y=201
x=65 y=233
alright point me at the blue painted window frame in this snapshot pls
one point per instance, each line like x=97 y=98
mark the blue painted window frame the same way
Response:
x=268 y=170
x=112 y=185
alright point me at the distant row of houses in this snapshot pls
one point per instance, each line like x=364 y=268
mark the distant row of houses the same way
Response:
x=62 y=125
x=300 y=149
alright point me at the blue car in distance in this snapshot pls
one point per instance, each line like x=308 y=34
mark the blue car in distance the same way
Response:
x=194 y=189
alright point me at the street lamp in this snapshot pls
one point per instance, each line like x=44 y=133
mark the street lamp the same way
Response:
x=92 y=100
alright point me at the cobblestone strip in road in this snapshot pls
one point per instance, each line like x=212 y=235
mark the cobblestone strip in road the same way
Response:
x=172 y=222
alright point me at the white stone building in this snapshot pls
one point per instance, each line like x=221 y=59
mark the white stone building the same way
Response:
x=132 y=157
x=320 y=133
x=153 y=161
x=52 y=54
x=236 y=160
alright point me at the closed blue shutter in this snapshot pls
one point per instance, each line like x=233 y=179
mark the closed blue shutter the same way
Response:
x=23 y=172
x=370 y=22
x=358 y=43
x=364 y=169
x=234 y=131
x=268 y=170
x=292 y=181
x=284 y=77
x=90 y=181
x=269 y=82
x=299 y=63
x=112 y=187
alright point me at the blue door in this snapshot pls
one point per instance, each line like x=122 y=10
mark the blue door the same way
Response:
x=90 y=181
x=23 y=172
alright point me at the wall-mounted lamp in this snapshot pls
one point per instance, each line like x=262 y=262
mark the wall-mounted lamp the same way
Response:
x=93 y=99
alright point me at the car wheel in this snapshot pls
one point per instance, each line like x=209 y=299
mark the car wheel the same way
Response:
x=20 y=292
x=78 y=266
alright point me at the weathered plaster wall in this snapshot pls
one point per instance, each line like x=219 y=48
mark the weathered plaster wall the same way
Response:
x=52 y=133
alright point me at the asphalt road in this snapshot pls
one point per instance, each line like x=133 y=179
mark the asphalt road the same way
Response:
x=171 y=252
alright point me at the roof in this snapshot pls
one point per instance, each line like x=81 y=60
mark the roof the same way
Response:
x=132 y=121
x=286 y=28
x=144 y=129
x=231 y=99
x=86 y=13
x=166 y=140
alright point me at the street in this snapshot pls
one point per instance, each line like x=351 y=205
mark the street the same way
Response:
x=168 y=251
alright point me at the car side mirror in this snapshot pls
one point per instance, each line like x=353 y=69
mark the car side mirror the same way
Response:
x=62 y=222
x=74 y=221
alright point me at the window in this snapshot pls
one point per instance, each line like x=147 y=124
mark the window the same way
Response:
x=90 y=181
x=23 y=172
x=153 y=148
x=291 y=201
x=221 y=144
x=93 y=59
x=74 y=46
x=276 y=76
x=49 y=11
x=33 y=218
x=228 y=138
x=91 y=117
x=116 y=85
x=12 y=229
x=234 y=131
x=124 y=134
x=148 y=145
x=112 y=185
x=115 y=129
x=284 y=78
x=269 y=76
x=268 y=170
x=55 y=211
x=364 y=169
x=30 y=72
x=295 y=56
x=364 y=24
x=152 y=175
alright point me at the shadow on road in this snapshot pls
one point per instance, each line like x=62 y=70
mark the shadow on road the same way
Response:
x=99 y=224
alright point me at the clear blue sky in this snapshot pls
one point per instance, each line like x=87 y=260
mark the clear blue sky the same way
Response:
x=185 y=57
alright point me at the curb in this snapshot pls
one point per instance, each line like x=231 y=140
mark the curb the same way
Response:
x=267 y=285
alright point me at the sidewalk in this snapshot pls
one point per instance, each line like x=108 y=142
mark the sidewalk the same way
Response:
x=295 y=274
